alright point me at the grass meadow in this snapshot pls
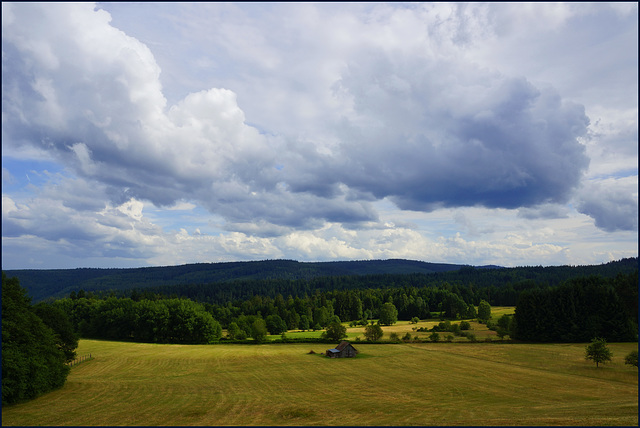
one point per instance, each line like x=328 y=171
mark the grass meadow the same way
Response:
x=459 y=383
x=403 y=327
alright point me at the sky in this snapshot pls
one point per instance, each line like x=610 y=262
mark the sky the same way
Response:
x=154 y=134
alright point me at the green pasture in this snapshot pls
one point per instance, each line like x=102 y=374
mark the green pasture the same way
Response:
x=386 y=384
x=498 y=311
x=403 y=327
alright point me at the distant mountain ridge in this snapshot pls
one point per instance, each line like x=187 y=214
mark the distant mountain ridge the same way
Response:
x=45 y=283
x=56 y=283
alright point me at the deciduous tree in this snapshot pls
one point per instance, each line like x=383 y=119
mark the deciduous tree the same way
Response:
x=259 y=330
x=598 y=352
x=58 y=321
x=233 y=331
x=373 y=332
x=484 y=310
x=275 y=324
x=388 y=314
x=335 y=331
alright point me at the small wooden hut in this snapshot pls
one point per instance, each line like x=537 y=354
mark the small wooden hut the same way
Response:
x=343 y=350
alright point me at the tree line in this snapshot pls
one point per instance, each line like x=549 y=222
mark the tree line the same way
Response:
x=154 y=321
x=576 y=310
x=37 y=343
x=579 y=310
x=155 y=318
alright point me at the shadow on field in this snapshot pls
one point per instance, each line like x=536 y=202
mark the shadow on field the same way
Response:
x=295 y=413
x=357 y=357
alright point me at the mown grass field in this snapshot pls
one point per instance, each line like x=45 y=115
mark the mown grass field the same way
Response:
x=387 y=384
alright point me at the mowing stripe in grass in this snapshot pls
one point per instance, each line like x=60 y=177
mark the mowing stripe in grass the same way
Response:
x=282 y=384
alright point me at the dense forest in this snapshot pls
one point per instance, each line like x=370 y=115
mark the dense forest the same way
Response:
x=576 y=310
x=552 y=303
x=45 y=283
x=579 y=310
x=222 y=282
x=499 y=287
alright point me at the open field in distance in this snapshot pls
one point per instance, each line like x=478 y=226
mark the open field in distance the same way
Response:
x=403 y=327
x=387 y=384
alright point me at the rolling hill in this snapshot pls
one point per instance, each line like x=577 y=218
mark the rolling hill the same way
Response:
x=242 y=279
x=45 y=283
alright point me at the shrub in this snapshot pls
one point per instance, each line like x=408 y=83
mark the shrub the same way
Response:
x=632 y=358
x=434 y=337
x=394 y=337
x=465 y=325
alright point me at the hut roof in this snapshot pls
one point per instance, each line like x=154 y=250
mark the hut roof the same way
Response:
x=341 y=346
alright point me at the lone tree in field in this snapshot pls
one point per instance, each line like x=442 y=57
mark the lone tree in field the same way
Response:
x=598 y=351
x=335 y=331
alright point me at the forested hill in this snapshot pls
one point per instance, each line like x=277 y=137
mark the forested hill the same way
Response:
x=235 y=280
x=45 y=283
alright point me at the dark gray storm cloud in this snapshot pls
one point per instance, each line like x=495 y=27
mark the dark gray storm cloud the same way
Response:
x=426 y=139
x=613 y=207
